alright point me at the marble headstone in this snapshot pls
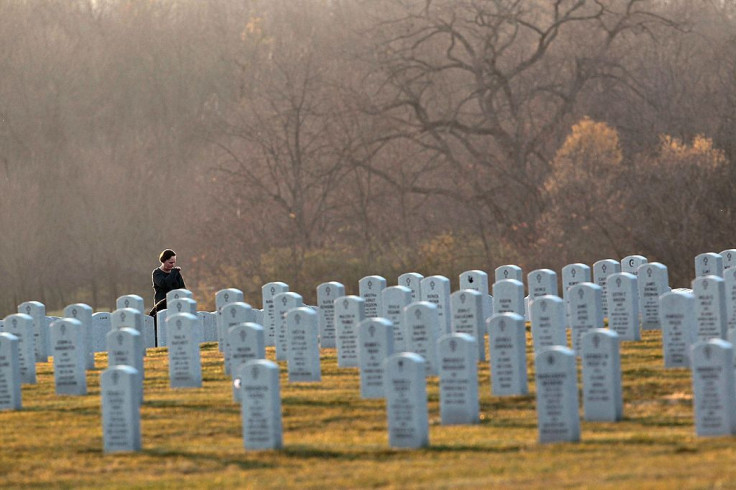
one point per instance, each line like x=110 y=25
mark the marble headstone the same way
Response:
x=124 y=349
x=710 y=307
x=542 y=282
x=458 y=372
x=121 y=416
x=601 y=362
x=223 y=297
x=302 y=331
x=185 y=365
x=547 y=315
x=677 y=318
x=70 y=357
x=631 y=263
x=261 y=405
x=436 y=290
x=270 y=320
x=375 y=345
x=369 y=288
x=83 y=313
x=477 y=280
x=327 y=293
x=468 y=318
x=405 y=388
x=20 y=325
x=507 y=350
x=349 y=312
x=729 y=258
x=413 y=281
x=558 y=417
x=508 y=297
x=623 y=305
x=714 y=397
x=101 y=324
x=601 y=270
x=653 y=282
x=420 y=322
x=393 y=301
x=37 y=311
x=585 y=300
x=508 y=272
x=247 y=343
x=283 y=302
x=10 y=393
x=232 y=314
x=709 y=264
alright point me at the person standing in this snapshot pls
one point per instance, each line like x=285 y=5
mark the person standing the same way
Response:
x=166 y=277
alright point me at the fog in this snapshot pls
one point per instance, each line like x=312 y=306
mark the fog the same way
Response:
x=308 y=141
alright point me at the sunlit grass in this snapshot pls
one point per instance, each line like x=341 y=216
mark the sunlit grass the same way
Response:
x=333 y=438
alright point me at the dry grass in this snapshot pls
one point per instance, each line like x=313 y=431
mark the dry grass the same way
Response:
x=333 y=438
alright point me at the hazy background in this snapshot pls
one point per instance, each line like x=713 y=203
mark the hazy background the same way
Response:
x=315 y=140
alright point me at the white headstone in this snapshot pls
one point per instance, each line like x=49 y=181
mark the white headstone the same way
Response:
x=653 y=283
x=709 y=264
x=413 y=281
x=161 y=338
x=542 y=282
x=710 y=307
x=261 y=405
x=130 y=318
x=478 y=281
x=557 y=395
x=420 y=322
x=601 y=362
x=223 y=297
x=505 y=272
x=547 y=315
x=729 y=285
x=436 y=290
x=176 y=294
x=458 y=371
x=507 y=350
x=283 y=302
x=729 y=258
x=327 y=293
x=121 y=416
x=101 y=324
x=208 y=320
x=508 y=297
x=631 y=263
x=585 y=300
x=10 y=393
x=232 y=314
x=349 y=312
x=369 y=288
x=677 y=318
x=185 y=365
x=247 y=343
x=270 y=320
x=182 y=305
x=393 y=301
x=149 y=332
x=130 y=301
x=405 y=388
x=623 y=305
x=302 y=331
x=468 y=318
x=37 y=311
x=124 y=349
x=20 y=326
x=601 y=270
x=83 y=313
x=375 y=345
x=714 y=400
x=70 y=357
x=573 y=274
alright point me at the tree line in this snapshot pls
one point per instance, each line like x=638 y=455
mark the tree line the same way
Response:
x=305 y=141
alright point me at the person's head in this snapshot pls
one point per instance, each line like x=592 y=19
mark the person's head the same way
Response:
x=168 y=259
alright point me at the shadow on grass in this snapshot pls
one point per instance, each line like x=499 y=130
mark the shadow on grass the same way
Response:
x=215 y=458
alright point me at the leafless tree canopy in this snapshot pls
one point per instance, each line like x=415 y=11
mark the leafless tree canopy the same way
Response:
x=307 y=141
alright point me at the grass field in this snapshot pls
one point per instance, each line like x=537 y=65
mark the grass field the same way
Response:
x=333 y=438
